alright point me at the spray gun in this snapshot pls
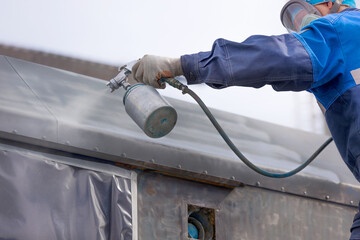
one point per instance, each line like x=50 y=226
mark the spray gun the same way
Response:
x=156 y=117
x=149 y=110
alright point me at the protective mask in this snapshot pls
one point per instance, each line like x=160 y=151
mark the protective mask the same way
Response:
x=296 y=14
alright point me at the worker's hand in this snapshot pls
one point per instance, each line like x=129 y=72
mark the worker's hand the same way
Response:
x=150 y=69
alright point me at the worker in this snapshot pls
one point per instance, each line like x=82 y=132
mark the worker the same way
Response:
x=322 y=58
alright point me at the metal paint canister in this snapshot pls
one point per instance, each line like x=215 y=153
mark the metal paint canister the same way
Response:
x=151 y=112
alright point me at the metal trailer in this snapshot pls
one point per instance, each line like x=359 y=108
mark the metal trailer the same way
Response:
x=73 y=165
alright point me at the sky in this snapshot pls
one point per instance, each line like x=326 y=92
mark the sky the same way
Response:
x=118 y=31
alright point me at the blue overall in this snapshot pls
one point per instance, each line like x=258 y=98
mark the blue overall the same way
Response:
x=324 y=59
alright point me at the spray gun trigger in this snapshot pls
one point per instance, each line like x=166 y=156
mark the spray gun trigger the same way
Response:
x=121 y=68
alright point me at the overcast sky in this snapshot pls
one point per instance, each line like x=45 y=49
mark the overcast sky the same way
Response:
x=118 y=31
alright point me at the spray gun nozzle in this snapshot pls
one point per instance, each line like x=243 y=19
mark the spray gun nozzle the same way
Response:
x=118 y=81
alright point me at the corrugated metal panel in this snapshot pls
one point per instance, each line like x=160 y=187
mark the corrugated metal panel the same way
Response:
x=83 y=117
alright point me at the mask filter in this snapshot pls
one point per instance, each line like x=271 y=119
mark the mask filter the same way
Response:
x=297 y=14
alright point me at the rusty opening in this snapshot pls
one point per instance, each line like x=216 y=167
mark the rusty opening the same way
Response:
x=201 y=223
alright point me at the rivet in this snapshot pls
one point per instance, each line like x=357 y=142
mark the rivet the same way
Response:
x=14 y=131
x=327 y=197
x=351 y=202
x=43 y=137
x=258 y=184
x=179 y=166
x=96 y=149
x=152 y=160
x=123 y=155
x=282 y=189
x=205 y=172
x=67 y=143
x=305 y=192
x=232 y=178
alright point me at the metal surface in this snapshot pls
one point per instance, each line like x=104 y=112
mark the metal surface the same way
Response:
x=51 y=196
x=240 y=214
x=62 y=110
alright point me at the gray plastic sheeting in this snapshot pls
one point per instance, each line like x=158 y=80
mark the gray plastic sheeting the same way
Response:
x=46 y=196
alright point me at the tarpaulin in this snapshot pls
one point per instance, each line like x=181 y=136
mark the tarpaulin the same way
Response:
x=48 y=196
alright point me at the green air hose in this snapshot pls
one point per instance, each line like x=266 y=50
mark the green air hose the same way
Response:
x=176 y=84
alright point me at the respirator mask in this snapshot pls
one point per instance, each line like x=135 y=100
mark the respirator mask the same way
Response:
x=296 y=14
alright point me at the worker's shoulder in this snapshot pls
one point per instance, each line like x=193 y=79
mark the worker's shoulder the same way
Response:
x=344 y=23
x=349 y=16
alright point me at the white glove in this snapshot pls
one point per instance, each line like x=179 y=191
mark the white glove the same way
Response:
x=150 y=69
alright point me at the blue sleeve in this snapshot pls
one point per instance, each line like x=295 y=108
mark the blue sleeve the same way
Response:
x=321 y=41
x=280 y=61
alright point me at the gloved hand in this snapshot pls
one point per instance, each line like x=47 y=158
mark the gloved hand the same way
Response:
x=150 y=69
